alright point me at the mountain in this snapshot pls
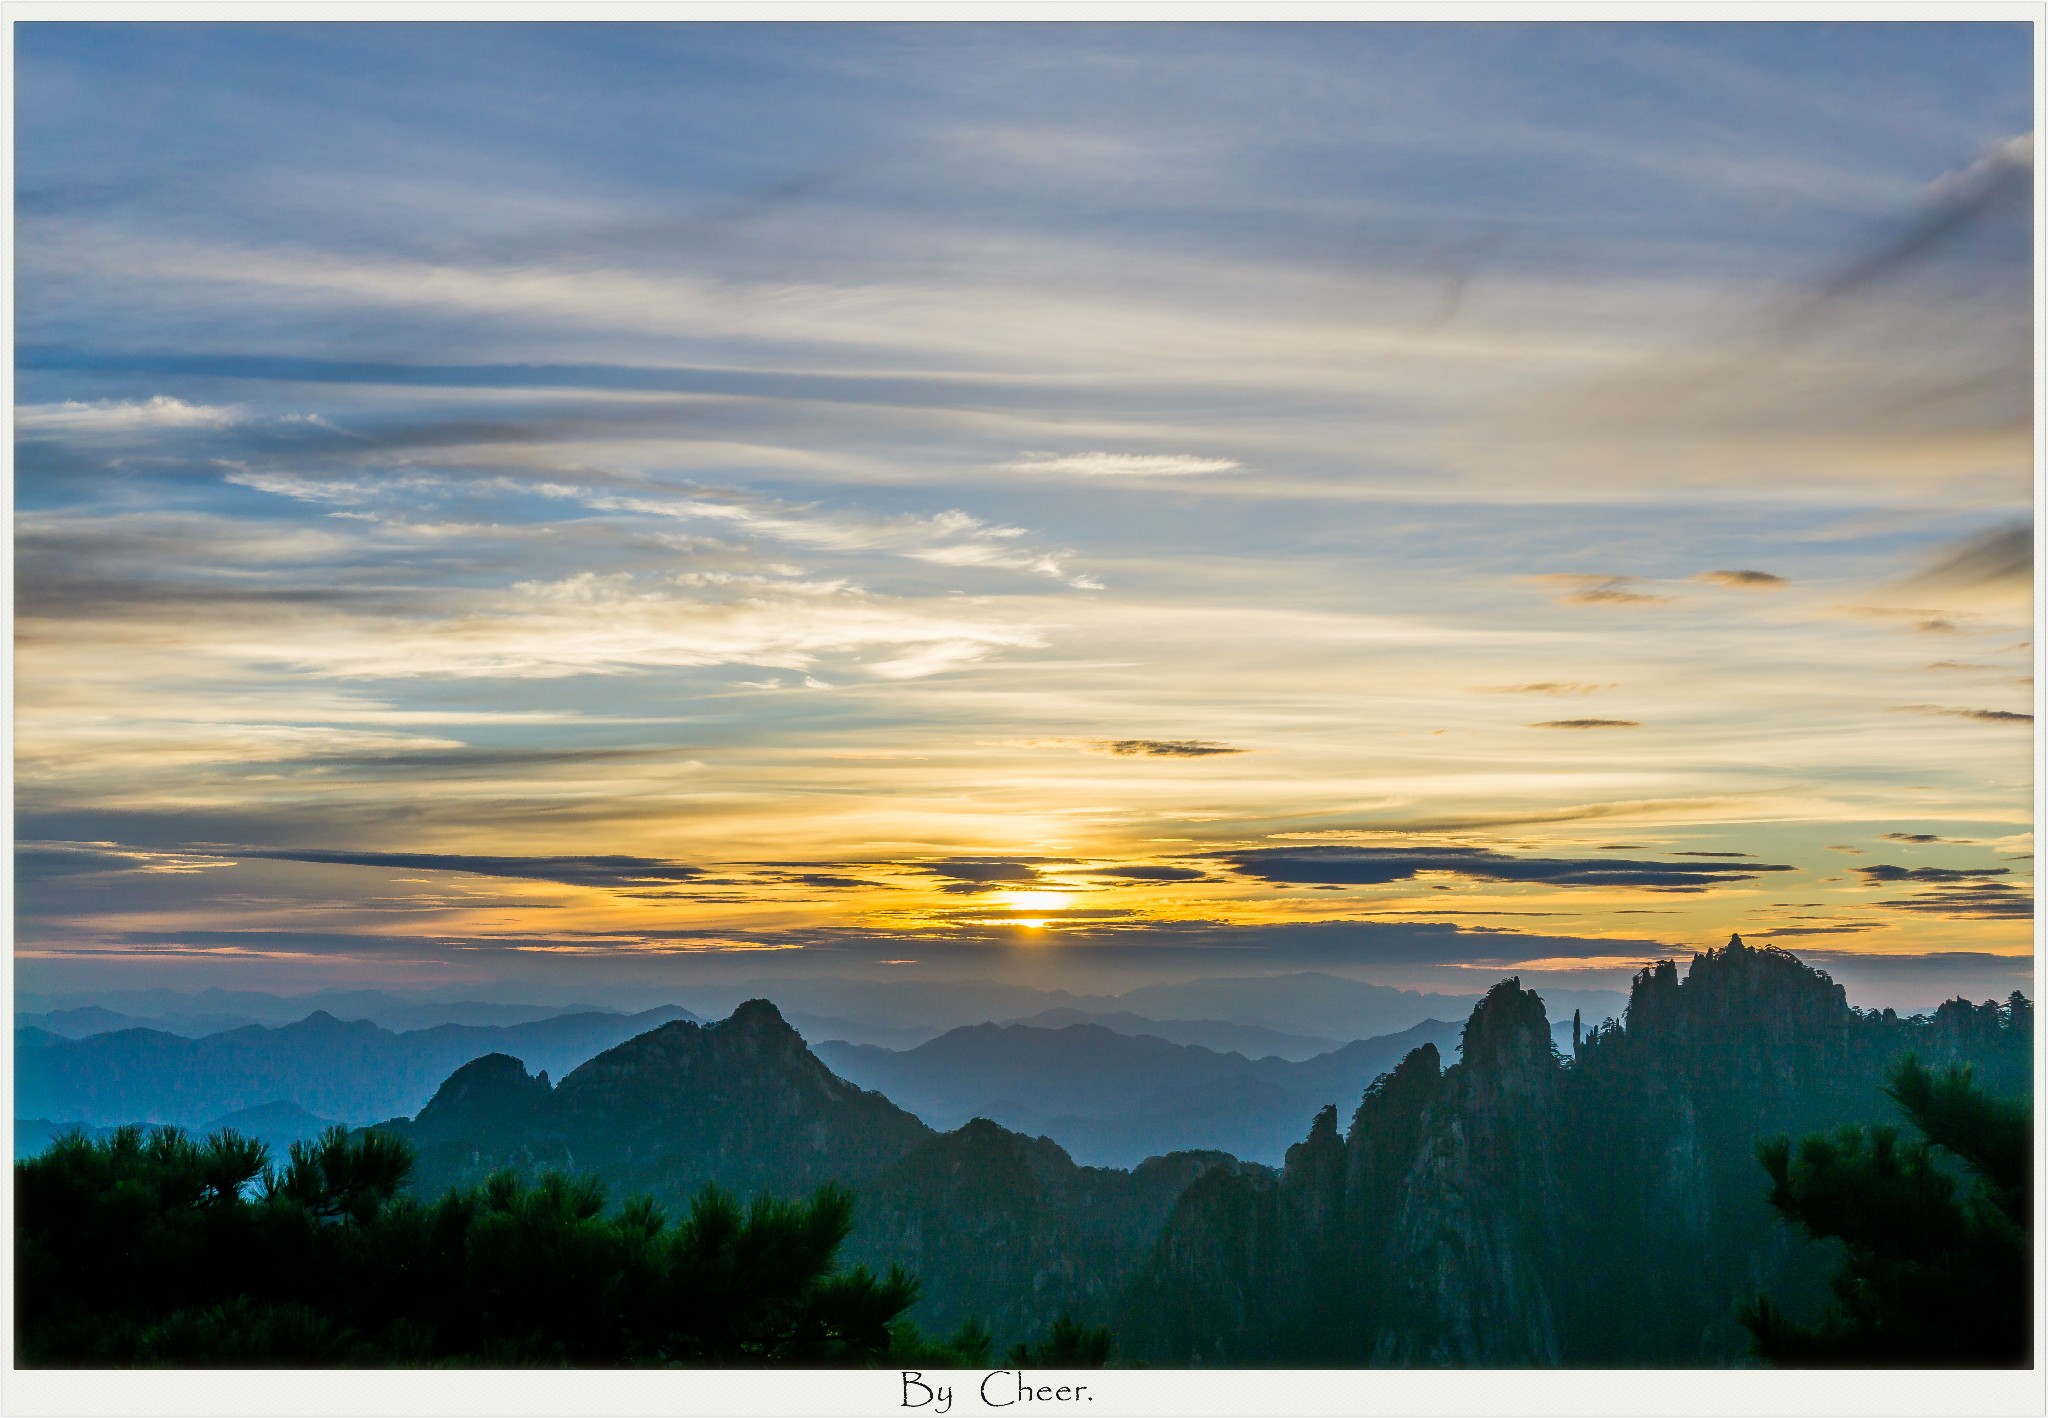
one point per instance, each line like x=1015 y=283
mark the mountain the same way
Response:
x=213 y=1011
x=334 y=1068
x=1307 y=1002
x=1518 y=1208
x=277 y=1125
x=88 y=1020
x=1114 y=1099
x=996 y=1224
x=741 y=1102
x=1007 y=1229
x=1302 y=1004
x=1222 y=1035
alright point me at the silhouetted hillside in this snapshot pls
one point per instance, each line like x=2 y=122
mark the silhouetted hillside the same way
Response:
x=998 y=1225
x=352 y=1070
x=741 y=1102
x=1519 y=1208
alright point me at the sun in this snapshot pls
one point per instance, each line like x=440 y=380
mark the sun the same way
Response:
x=1035 y=901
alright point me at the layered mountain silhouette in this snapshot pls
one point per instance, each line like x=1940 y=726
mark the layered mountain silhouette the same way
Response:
x=1114 y=1099
x=211 y=1011
x=1493 y=1200
x=276 y=1125
x=998 y=1225
x=1225 y=1036
x=742 y=1103
x=348 y=1069
x=1523 y=1208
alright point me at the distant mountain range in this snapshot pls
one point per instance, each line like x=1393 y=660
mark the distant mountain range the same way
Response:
x=1223 y=1035
x=211 y=1011
x=1293 y=1016
x=1113 y=1099
x=1304 y=1005
x=276 y=1125
x=352 y=1070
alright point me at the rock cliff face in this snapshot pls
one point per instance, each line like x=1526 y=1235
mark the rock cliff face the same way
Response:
x=1520 y=1208
x=1474 y=1240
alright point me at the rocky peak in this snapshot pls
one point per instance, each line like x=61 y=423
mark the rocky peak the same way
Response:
x=1508 y=1031
x=758 y=1026
x=759 y=1016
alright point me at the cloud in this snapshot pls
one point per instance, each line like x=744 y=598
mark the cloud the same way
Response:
x=1555 y=687
x=1998 y=182
x=55 y=861
x=1151 y=873
x=1122 y=465
x=1996 y=563
x=1955 y=893
x=1982 y=716
x=105 y=416
x=1746 y=580
x=1883 y=873
x=602 y=871
x=1165 y=748
x=1977 y=901
x=1584 y=590
x=1920 y=837
x=1378 y=866
x=1586 y=724
x=972 y=876
x=614 y=624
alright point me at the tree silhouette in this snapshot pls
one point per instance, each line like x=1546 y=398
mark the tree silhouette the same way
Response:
x=1936 y=1230
x=154 y=1248
x=1067 y=1345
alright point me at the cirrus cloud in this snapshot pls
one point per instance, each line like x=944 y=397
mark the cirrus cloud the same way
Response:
x=1122 y=465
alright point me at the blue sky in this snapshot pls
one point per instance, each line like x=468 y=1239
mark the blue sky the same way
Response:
x=993 y=496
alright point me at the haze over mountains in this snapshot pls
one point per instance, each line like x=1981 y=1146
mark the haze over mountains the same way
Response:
x=1513 y=1207
x=352 y=1070
x=1113 y=1099
x=1295 y=1015
x=1111 y=1084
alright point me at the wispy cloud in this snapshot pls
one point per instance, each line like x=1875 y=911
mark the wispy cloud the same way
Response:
x=1122 y=465
x=1376 y=866
x=1982 y=716
x=1586 y=724
x=1167 y=748
x=1994 y=565
x=1589 y=590
x=604 y=871
x=113 y=416
x=1745 y=580
x=1560 y=688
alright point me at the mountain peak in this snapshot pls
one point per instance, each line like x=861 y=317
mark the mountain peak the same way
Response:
x=1507 y=1026
x=758 y=1020
x=483 y=1092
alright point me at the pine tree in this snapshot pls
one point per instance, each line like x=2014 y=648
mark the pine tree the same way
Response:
x=1936 y=1230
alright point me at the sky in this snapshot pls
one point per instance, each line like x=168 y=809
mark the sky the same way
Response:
x=520 y=506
